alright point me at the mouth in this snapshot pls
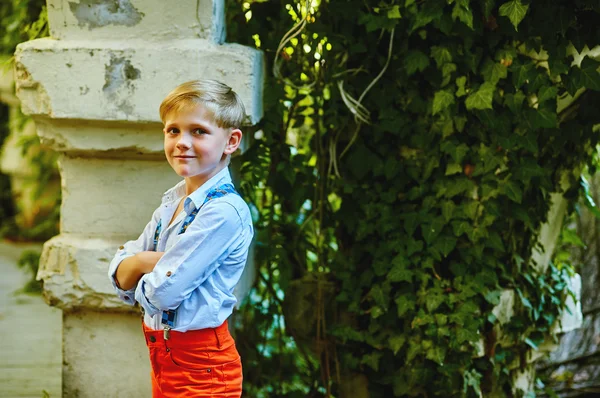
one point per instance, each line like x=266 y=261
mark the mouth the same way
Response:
x=184 y=157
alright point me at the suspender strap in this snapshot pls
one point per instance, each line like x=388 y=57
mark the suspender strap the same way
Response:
x=214 y=193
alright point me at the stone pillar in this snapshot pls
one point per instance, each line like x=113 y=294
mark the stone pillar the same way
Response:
x=93 y=90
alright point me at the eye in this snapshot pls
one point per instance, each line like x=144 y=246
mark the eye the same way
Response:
x=172 y=130
x=199 y=131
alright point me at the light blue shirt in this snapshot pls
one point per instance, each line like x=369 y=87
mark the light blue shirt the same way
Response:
x=201 y=267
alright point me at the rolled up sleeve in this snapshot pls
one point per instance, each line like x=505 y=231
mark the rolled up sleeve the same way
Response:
x=144 y=242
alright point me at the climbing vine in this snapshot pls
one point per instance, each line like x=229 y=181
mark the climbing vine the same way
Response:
x=399 y=181
x=21 y=21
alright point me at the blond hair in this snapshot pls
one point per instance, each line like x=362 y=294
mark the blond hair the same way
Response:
x=225 y=105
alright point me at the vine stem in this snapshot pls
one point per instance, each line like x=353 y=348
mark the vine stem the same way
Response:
x=358 y=121
x=288 y=328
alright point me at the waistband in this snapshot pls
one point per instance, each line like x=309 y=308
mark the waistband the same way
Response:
x=201 y=338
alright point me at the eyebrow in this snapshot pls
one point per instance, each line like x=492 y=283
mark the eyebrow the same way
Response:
x=191 y=125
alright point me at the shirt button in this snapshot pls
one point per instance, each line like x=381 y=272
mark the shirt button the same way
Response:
x=168 y=273
x=153 y=339
x=121 y=247
x=126 y=297
x=208 y=370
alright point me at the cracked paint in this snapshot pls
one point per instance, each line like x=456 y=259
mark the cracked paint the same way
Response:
x=99 y=13
x=118 y=77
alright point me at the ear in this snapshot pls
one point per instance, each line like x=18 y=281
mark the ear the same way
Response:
x=234 y=141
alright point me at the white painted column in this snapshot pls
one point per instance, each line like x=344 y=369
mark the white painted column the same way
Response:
x=94 y=89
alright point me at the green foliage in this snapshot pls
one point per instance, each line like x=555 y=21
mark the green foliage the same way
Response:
x=30 y=261
x=421 y=218
x=21 y=21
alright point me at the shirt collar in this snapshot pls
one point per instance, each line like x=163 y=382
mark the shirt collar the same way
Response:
x=196 y=198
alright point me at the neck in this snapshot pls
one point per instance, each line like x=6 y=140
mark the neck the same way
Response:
x=195 y=182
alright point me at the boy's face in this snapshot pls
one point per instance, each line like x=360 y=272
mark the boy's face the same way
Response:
x=195 y=147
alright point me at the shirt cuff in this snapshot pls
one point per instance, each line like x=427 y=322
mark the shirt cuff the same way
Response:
x=128 y=296
x=141 y=298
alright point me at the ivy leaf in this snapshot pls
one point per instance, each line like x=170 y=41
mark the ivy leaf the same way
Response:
x=441 y=100
x=413 y=246
x=372 y=359
x=513 y=191
x=458 y=152
x=453 y=168
x=445 y=245
x=587 y=74
x=414 y=348
x=400 y=272
x=514 y=101
x=460 y=84
x=378 y=296
x=515 y=11
x=396 y=342
x=394 y=13
x=522 y=73
x=460 y=227
x=527 y=169
x=464 y=334
x=471 y=209
x=441 y=55
x=493 y=296
x=410 y=223
x=529 y=142
x=495 y=241
x=460 y=122
x=415 y=60
x=404 y=304
x=463 y=14
x=431 y=231
x=427 y=15
x=546 y=92
x=482 y=98
x=493 y=71
x=448 y=207
x=457 y=187
x=437 y=354
x=472 y=379
x=447 y=70
x=541 y=118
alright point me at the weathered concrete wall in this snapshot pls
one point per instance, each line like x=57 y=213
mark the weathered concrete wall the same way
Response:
x=119 y=358
x=94 y=89
x=574 y=368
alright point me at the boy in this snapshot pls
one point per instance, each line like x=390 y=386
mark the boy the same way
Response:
x=183 y=268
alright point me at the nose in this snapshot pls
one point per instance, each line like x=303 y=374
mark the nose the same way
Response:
x=184 y=140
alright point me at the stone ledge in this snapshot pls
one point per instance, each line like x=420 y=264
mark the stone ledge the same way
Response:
x=101 y=139
x=126 y=80
x=74 y=271
x=131 y=19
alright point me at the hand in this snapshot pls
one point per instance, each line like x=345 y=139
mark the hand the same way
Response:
x=147 y=260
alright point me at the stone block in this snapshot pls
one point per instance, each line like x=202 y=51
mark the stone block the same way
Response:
x=104 y=356
x=573 y=318
x=74 y=271
x=549 y=232
x=101 y=139
x=131 y=19
x=111 y=197
x=126 y=80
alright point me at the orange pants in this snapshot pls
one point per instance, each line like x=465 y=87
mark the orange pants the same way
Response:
x=197 y=363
